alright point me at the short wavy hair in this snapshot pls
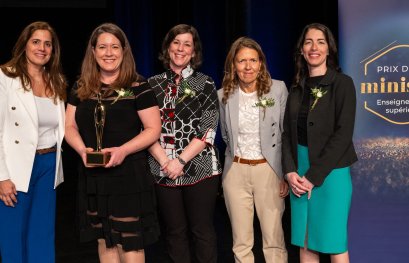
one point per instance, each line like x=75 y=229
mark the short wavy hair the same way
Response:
x=195 y=61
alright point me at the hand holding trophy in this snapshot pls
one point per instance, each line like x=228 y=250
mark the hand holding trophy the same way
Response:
x=98 y=158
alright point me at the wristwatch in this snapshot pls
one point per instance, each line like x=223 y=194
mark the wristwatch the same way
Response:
x=182 y=162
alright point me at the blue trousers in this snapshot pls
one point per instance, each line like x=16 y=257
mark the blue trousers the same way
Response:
x=27 y=230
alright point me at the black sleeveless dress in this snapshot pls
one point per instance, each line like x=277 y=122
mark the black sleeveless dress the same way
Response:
x=105 y=195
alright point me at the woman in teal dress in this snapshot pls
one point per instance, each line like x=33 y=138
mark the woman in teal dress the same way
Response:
x=318 y=149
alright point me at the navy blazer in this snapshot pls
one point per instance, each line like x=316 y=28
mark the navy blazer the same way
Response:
x=330 y=127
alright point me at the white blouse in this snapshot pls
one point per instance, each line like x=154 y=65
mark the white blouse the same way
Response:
x=47 y=113
x=248 y=143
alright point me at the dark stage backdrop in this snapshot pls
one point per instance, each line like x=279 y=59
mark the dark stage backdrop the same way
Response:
x=275 y=24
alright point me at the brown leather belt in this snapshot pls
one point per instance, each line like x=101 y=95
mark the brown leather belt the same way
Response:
x=46 y=150
x=247 y=161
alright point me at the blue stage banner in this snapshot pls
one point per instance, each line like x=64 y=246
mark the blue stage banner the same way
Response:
x=374 y=51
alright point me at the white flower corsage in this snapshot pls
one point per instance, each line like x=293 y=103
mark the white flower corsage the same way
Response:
x=264 y=103
x=122 y=93
x=187 y=92
x=317 y=93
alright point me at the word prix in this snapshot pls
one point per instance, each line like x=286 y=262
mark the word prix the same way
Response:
x=391 y=69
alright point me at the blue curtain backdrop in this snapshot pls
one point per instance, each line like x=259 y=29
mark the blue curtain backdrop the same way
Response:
x=375 y=52
x=274 y=24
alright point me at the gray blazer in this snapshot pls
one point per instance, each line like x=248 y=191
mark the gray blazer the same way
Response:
x=270 y=128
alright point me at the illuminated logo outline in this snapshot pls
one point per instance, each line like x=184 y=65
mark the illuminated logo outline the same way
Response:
x=366 y=71
x=380 y=55
x=383 y=117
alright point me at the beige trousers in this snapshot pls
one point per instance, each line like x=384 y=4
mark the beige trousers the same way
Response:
x=246 y=187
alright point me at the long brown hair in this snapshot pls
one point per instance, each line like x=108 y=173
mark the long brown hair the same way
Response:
x=301 y=67
x=231 y=80
x=16 y=67
x=195 y=61
x=89 y=82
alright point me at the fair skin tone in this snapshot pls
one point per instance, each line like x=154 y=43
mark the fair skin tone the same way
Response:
x=247 y=67
x=38 y=53
x=109 y=55
x=315 y=51
x=181 y=51
x=309 y=256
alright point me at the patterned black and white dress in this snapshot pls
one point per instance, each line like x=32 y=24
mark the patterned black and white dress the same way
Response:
x=184 y=118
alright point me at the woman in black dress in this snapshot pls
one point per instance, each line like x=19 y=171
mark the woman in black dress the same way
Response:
x=116 y=201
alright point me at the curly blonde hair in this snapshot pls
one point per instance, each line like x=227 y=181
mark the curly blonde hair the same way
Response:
x=231 y=80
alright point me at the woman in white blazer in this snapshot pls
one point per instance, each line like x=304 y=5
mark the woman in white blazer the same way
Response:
x=32 y=94
x=251 y=113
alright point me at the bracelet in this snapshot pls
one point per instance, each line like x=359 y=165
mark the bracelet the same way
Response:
x=182 y=162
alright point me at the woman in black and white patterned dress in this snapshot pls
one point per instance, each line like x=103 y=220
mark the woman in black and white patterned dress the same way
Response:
x=184 y=161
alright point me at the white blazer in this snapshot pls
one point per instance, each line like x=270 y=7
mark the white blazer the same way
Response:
x=19 y=133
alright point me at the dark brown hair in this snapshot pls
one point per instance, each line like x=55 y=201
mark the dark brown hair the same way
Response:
x=195 y=61
x=16 y=67
x=301 y=67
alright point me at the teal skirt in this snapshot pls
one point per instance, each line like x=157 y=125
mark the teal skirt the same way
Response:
x=322 y=220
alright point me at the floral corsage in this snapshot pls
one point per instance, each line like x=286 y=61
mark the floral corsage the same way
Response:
x=187 y=92
x=264 y=103
x=122 y=93
x=317 y=93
